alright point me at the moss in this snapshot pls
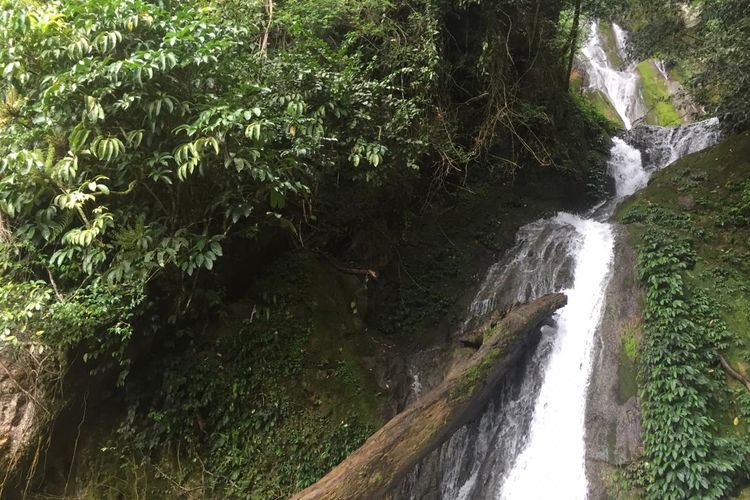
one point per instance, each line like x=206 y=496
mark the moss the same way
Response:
x=605 y=108
x=376 y=478
x=656 y=94
x=609 y=44
x=478 y=373
x=338 y=341
x=628 y=363
x=631 y=339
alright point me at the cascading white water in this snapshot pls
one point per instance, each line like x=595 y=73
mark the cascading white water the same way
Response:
x=621 y=87
x=661 y=146
x=626 y=167
x=555 y=447
x=530 y=442
x=662 y=67
x=621 y=38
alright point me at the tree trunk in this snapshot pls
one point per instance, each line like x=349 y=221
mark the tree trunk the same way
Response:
x=387 y=457
x=572 y=45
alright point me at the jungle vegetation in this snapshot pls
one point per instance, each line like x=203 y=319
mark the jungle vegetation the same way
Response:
x=158 y=157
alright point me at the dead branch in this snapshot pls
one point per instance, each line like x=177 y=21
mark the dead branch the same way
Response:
x=347 y=270
x=734 y=373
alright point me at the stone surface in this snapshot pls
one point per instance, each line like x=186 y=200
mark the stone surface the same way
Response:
x=20 y=415
x=613 y=428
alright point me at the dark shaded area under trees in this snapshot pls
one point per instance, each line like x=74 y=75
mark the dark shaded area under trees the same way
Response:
x=160 y=160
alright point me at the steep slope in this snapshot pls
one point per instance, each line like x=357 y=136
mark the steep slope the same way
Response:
x=691 y=230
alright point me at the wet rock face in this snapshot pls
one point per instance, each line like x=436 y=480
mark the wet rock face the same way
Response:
x=647 y=139
x=613 y=420
x=19 y=414
x=660 y=146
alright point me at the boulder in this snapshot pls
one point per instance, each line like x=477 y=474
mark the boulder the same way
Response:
x=23 y=415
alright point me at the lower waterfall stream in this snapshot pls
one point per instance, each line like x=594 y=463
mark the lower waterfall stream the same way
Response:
x=530 y=441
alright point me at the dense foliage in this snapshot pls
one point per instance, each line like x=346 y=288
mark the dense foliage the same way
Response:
x=155 y=155
x=683 y=336
x=137 y=136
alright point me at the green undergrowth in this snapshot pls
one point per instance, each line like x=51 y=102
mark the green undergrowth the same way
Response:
x=270 y=401
x=656 y=94
x=691 y=229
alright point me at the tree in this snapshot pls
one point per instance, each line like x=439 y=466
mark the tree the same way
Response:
x=137 y=136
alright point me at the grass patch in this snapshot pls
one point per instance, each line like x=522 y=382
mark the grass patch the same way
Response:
x=656 y=94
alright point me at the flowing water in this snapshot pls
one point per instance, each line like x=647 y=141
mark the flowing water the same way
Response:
x=530 y=441
x=620 y=85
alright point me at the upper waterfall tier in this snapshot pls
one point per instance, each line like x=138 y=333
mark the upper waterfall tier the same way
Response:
x=621 y=87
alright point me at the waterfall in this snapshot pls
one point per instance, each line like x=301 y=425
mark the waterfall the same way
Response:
x=621 y=87
x=626 y=167
x=530 y=441
x=555 y=448
x=661 y=146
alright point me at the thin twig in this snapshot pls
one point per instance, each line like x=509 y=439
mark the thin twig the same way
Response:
x=78 y=436
x=54 y=286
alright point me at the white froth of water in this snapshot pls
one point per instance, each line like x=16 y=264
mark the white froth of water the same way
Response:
x=416 y=384
x=626 y=166
x=662 y=67
x=552 y=465
x=690 y=139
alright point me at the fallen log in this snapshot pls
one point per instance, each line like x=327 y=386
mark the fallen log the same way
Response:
x=387 y=456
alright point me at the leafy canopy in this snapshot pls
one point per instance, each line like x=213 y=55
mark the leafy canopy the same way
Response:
x=136 y=136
